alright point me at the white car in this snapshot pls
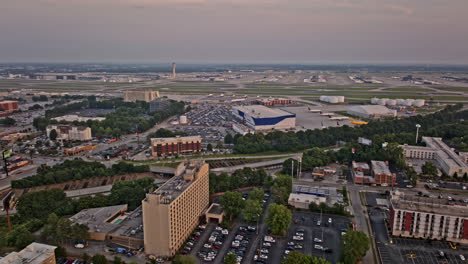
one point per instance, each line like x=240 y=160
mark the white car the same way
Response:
x=266 y=244
x=329 y=220
x=298 y=238
x=318 y=247
x=207 y=246
x=264 y=256
x=225 y=232
x=318 y=240
x=79 y=245
x=264 y=251
x=235 y=243
x=269 y=239
x=462 y=257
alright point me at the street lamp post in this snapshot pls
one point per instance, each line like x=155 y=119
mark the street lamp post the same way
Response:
x=417 y=132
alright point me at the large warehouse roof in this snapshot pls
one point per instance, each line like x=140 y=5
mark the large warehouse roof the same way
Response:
x=260 y=111
x=370 y=109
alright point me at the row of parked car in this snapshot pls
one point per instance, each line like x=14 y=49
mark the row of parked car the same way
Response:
x=240 y=244
x=193 y=239
x=263 y=252
x=213 y=244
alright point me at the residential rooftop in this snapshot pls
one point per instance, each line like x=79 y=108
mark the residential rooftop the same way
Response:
x=170 y=190
x=34 y=253
x=380 y=167
x=101 y=219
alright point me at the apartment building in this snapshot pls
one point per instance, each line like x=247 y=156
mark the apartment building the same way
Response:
x=66 y=132
x=436 y=150
x=173 y=211
x=161 y=147
x=429 y=218
x=147 y=96
x=34 y=253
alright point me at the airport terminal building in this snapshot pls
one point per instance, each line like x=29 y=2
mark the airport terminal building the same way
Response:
x=261 y=118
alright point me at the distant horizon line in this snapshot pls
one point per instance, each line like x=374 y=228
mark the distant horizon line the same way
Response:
x=245 y=63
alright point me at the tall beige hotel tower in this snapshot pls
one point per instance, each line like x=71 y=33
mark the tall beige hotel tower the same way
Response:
x=173 y=211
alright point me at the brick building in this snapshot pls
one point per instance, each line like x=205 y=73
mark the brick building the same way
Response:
x=161 y=147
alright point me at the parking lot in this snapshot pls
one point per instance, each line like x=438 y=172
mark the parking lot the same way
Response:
x=307 y=237
x=406 y=250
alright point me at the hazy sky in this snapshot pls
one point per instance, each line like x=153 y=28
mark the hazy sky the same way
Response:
x=306 y=31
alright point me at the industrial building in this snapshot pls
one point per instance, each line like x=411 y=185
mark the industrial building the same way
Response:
x=273 y=101
x=113 y=224
x=147 y=96
x=302 y=196
x=9 y=106
x=371 y=111
x=161 y=147
x=159 y=104
x=65 y=132
x=429 y=218
x=34 y=253
x=72 y=118
x=262 y=118
x=332 y=99
x=436 y=150
x=173 y=211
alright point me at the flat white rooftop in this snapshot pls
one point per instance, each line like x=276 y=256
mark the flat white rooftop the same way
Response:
x=260 y=111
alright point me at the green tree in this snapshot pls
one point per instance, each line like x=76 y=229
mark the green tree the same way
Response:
x=228 y=139
x=8 y=121
x=184 y=259
x=19 y=237
x=99 y=259
x=230 y=258
x=356 y=245
x=252 y=210
x=209 y=147
x=219 y=145
x=232 y=204
x=428 y=168
x=40 y=204
x=60 y=252
x=85 y=257
x=53 y=134
x=118 y=260
x=279 y=219
x=281 y=188
x=257 y=194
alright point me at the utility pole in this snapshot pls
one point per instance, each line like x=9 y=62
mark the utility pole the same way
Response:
x=5 y=156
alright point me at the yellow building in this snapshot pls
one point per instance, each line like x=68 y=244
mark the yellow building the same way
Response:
x=34 y=253
x=147 y=96
x=173 y=211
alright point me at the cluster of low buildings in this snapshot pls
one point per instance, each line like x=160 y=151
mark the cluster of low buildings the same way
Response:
x=377 y=173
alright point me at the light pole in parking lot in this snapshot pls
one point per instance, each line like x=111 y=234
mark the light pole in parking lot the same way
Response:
x=417 y=132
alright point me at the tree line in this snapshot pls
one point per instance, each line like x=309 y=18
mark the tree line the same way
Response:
x=447 y=123
x=126 y=117
x=245 y=177
x=76 y=169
